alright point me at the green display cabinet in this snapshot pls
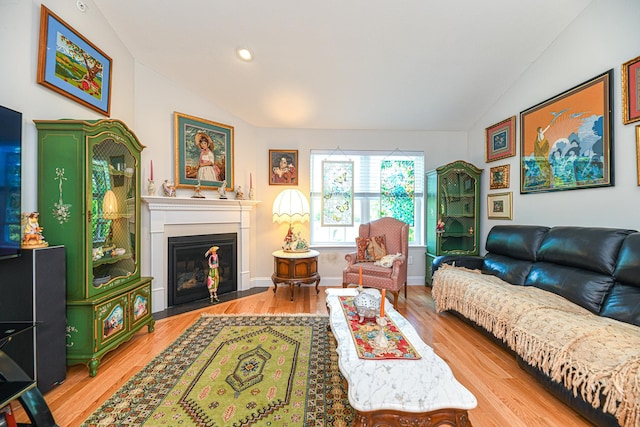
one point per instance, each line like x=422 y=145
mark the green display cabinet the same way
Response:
x=89 y=201
x=453 y=211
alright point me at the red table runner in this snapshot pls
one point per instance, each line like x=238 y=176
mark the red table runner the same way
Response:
x=365 y=333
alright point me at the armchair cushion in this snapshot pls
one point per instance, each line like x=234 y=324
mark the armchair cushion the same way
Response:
x=371 y=249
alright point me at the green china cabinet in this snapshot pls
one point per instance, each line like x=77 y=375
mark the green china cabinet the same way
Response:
x=453 y=211
x=89 y=201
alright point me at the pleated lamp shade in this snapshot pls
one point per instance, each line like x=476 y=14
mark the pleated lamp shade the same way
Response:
x=291 y=206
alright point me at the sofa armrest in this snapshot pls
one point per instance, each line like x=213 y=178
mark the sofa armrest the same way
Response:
x=468 y=261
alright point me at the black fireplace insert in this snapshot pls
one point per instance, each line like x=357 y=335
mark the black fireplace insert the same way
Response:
x=188 y=266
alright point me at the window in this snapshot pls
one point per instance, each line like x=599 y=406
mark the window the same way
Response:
x=367 y=193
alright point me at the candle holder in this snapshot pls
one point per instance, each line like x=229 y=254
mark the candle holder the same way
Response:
x=151 y=188
x=381 y=341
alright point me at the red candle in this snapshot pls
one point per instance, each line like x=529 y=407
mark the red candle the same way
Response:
x=250 y=180
x=360 y=282
x=151 y=171
x=384 y=296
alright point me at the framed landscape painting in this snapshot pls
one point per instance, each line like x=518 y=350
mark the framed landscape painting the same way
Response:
x=566 y=141
x=203 y=153
x=500 y=140
x=71 y=65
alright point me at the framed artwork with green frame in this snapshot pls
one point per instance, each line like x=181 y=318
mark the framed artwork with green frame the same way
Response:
x=203 y=153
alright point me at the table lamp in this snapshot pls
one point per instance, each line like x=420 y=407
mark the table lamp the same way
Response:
x=292 y=206
x=110 y=211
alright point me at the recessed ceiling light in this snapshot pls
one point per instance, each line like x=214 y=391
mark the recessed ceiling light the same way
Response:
x=245 y=54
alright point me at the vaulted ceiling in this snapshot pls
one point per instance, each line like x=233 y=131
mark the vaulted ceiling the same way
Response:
x=344 y=64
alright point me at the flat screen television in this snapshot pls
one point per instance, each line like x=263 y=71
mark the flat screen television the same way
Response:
x=10 y=182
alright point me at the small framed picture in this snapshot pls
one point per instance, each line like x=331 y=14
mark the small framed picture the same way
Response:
x=501 y=140
x=499 y=206
x=499 y=177
x=283 y=167
x=631 y=91
x=71 y=65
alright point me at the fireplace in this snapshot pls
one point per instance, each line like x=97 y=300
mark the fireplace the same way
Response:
x=188 y=266
x=166 y=217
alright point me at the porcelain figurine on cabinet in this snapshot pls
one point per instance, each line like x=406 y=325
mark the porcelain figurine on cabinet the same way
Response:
x=33 y=237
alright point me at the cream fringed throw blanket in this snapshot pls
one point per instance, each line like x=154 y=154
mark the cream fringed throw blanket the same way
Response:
x=593 y=356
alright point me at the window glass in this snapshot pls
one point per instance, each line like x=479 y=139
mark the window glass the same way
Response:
x=367 y=192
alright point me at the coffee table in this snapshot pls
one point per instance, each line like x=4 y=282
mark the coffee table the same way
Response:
x=397 y=392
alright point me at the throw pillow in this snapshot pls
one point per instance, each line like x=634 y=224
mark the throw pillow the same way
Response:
x=371 y=249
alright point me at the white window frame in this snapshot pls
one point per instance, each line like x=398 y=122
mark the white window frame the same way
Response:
x=366 y=198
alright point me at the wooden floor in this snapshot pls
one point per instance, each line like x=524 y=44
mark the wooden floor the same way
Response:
x=506 y=395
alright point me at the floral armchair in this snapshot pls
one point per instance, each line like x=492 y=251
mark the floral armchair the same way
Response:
x=380 y=243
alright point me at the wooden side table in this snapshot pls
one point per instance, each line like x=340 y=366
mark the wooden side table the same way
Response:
x=295 y=268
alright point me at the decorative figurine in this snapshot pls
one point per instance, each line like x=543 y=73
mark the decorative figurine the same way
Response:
x=33 y=232
x=239 y=193
x=288 y=240
x=222 y=191
x=151 y=187
x=213 y=279
x=440 y=226
x=294 y=242
x=381 y=342
x=168 y=189
x=197 y=194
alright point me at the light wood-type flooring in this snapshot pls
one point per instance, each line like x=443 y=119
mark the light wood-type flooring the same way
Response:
x=507 y=396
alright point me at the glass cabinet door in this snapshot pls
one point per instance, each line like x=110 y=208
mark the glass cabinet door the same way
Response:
x=458 y=212
x=113 y=213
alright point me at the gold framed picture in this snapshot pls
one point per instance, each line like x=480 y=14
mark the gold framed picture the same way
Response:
x=499 y=206
x=499 y=177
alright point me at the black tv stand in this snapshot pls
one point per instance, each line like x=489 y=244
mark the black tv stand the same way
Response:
x=16 y=384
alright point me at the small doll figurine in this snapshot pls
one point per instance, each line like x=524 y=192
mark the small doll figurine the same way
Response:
x=33 y=232
x=440 y=227
x=239 y=193
x=222 y=191
x=197 y=193
x=168 y=189
x=213 y=280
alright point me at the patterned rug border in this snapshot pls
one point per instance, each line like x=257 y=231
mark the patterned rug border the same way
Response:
x=137 y=398
x=263 y=315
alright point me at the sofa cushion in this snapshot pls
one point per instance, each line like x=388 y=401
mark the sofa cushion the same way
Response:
x=591 y=248
x=371 y=249
x=510 y=270
x=516 y=241
x=581 y=287
x=623 y=304
x=629 y=261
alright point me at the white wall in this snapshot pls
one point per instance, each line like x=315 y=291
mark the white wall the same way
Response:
x=604 y=36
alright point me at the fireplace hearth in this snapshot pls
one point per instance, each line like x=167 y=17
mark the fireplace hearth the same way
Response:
x=188 y=266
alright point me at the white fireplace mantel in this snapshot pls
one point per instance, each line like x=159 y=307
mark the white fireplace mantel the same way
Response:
x=166 y=217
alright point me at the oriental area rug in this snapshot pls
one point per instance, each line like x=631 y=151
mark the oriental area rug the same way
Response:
x=263 y=370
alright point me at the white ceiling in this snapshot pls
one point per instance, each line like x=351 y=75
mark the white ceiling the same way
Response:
x=344 y=64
